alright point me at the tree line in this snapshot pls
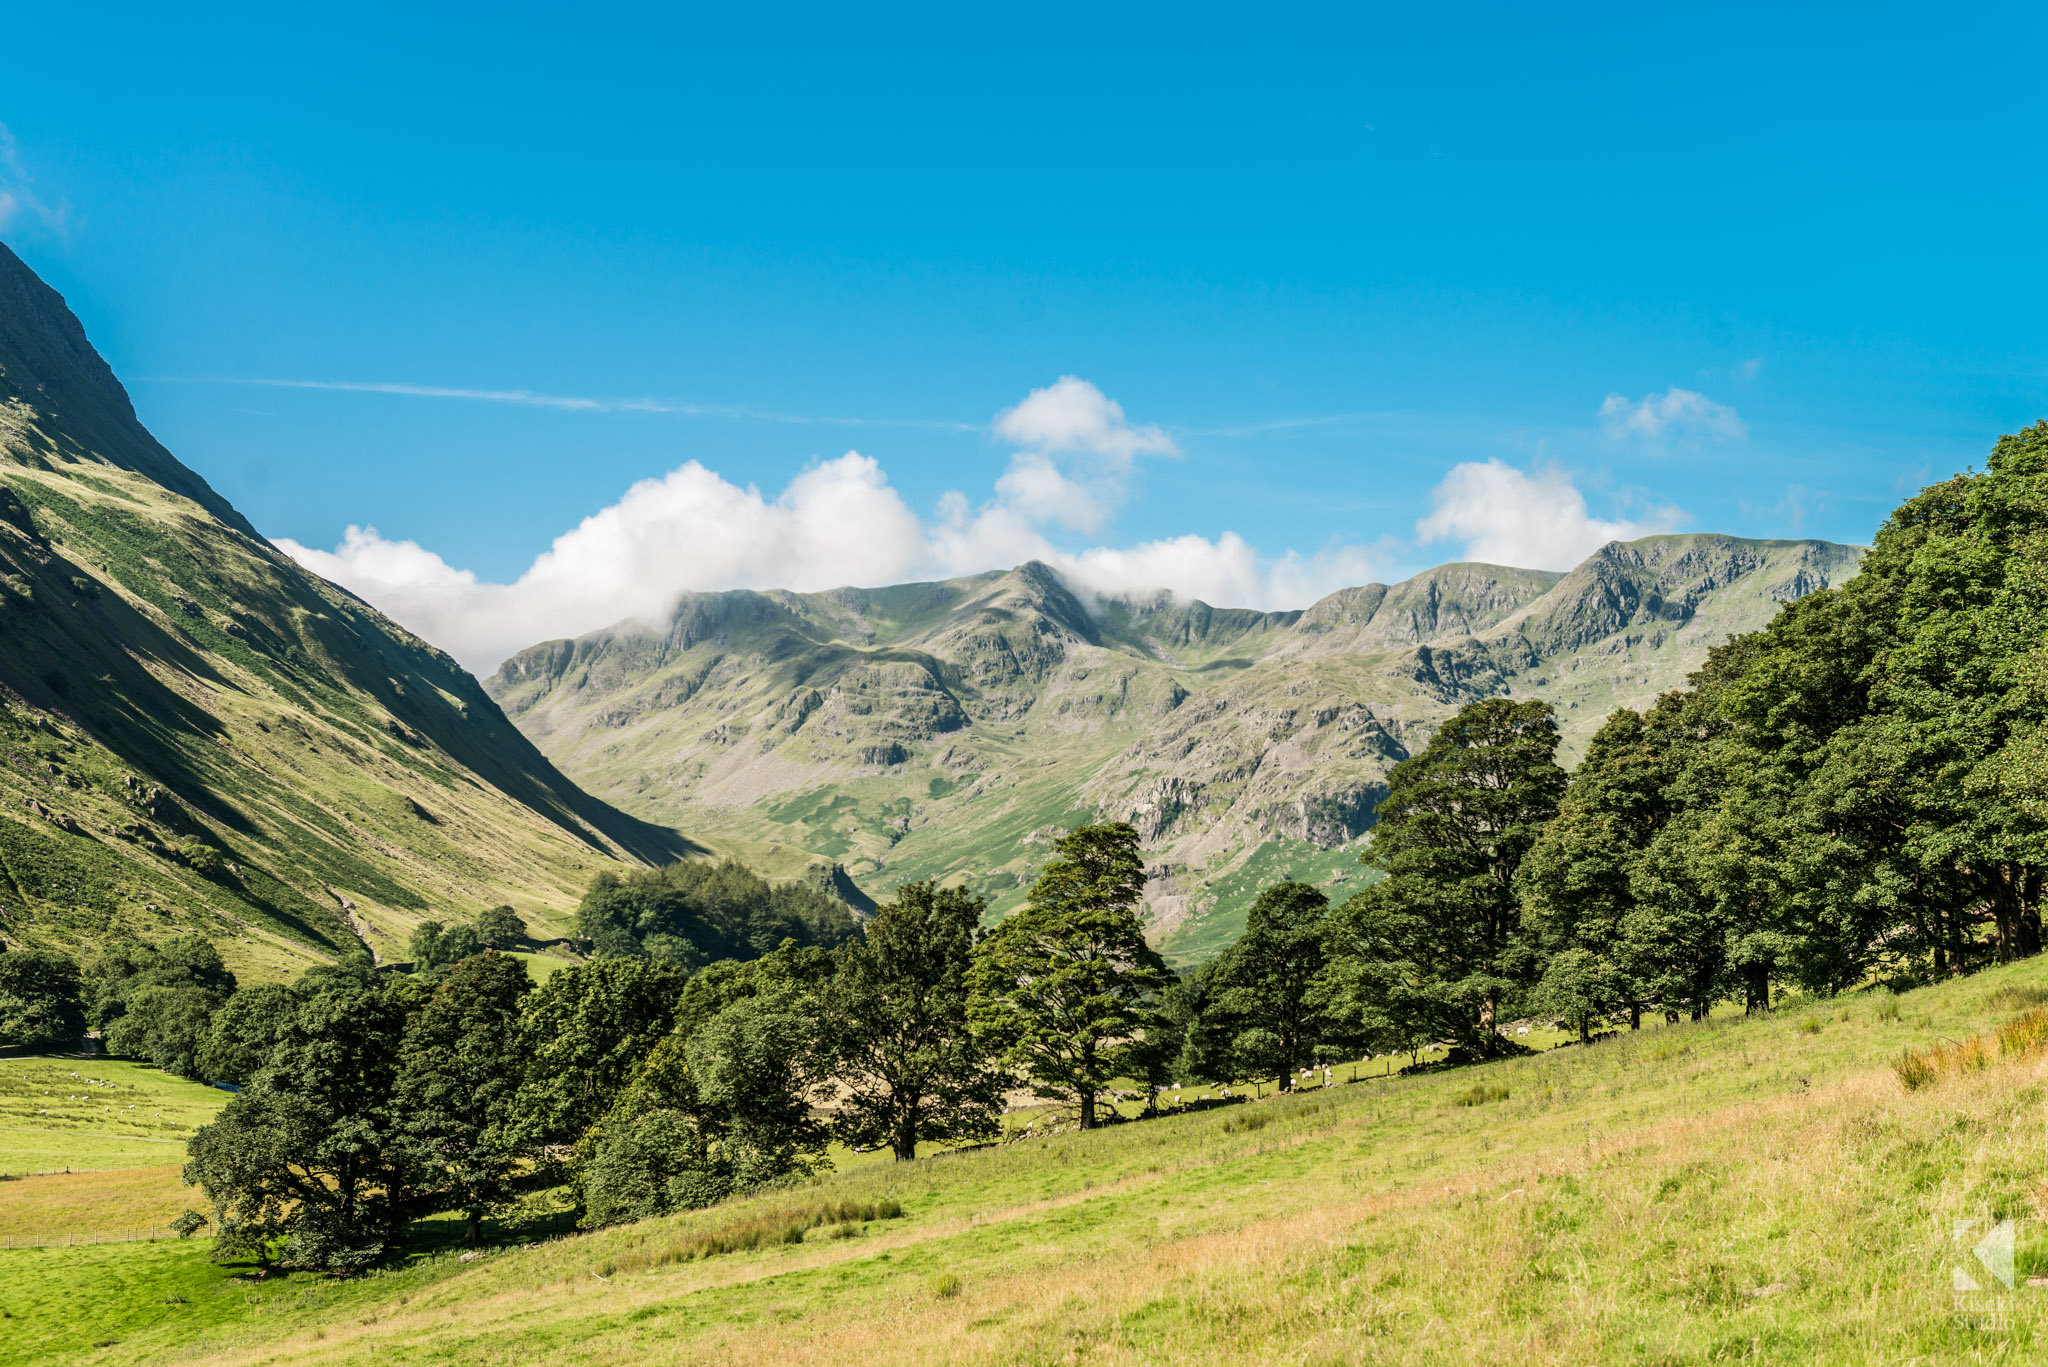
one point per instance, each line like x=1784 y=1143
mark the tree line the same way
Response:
x=647 y=1084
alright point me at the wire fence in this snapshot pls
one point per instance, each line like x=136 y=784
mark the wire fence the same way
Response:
x=80 y=1238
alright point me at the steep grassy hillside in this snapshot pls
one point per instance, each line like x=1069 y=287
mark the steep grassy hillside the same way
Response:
x=948 y=730
x=1757 y=1189
x=196 y=734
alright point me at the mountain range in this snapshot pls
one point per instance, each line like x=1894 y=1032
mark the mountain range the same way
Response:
x=198 y=735
x=949 y=730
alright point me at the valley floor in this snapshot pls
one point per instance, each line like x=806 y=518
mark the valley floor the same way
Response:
x=1759 y=1189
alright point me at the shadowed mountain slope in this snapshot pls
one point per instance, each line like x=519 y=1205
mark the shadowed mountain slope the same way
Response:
x=197 y=734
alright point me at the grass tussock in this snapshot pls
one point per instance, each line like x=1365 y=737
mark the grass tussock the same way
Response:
x=2021 y=1037
x=1481 y=1094
x=765 y=1229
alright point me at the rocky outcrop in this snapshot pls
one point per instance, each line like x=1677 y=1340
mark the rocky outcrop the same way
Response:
x=950 y=730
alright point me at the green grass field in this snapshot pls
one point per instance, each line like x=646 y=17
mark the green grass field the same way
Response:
x=91 y=1113
x=1738 y=1189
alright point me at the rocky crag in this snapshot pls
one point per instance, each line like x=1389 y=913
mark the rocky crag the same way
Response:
x=949 y=729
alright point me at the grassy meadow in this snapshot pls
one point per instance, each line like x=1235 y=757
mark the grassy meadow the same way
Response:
x=1760 y=1189
x=94 y=1113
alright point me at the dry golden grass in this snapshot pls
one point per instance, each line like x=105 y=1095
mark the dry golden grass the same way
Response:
x=85 y=1204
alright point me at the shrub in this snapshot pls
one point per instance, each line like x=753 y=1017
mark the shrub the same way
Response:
x=946 y=1286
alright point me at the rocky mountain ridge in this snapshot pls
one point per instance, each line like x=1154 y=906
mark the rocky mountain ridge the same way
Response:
x=947 y=729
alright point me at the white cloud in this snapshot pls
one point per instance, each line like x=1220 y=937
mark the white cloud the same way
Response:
x=17 y=191
x=1073 y=415
x=1074 y=419
x=840 y=522
x=1530 y=519
x=1675 y=412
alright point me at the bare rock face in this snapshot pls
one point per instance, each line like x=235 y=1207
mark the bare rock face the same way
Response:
x=950 y=730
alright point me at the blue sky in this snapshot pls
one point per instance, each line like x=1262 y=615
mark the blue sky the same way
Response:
x=1381 y=287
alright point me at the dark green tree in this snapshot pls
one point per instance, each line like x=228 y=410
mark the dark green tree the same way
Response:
x=728 y=1109
x=168 y=1026
x=1275 y=986
x=1064 y=986
x=501 y=928
x=435 y=946
x=698 y=912
x=42 y=1001
x=458 y=1079
x=896 y=1011
x=585 y=1032
x=183 y=961
x=1441 y=939
x=304 y=1165
x=1575 y=880
x=244 y=1030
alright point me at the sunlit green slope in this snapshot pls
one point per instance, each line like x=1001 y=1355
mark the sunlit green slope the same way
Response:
x=196 y=734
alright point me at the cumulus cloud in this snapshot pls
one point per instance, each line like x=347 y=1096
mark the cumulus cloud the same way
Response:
x=1079 y=450
x=1676 y=412
x=18 y=197
x=1073 y=415
x=1531 y=519
x=840 y=522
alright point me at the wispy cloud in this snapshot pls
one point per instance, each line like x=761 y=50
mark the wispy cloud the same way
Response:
x=572 y=403
x=1675 y=412
x=18 y=196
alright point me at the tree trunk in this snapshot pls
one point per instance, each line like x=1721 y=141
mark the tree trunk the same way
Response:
x=1489 y=1006
x=2029 y=914
x=1757 y=981
x=473 y=1227
x=1285 y=1081
x=1635 y=1014
x=1087 y=1108
x=904 y=1140
x=1585 y=1035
